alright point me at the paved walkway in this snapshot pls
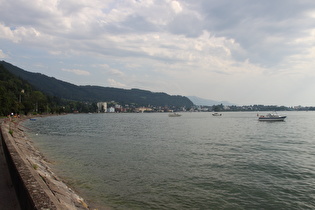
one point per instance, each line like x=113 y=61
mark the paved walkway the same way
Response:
x=8 y=198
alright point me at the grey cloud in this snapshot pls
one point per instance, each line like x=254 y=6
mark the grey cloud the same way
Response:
x=70 y=7
x=186 y=24
x=132 y=24
x=15 y=13
x=253 y=23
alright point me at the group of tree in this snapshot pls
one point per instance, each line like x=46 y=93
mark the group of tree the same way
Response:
x=17 y=96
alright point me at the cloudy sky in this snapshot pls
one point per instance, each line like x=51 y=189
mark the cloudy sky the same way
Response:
x=241 y=51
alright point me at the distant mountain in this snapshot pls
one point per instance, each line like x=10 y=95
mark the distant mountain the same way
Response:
x=65 y=90
x=207 y=102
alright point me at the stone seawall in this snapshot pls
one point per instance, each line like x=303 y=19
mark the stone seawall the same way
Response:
x=37 y=187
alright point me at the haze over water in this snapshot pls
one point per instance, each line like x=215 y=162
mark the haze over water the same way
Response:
x=196 y=161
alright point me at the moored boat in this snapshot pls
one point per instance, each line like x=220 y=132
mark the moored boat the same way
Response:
x=216 y=114
x=271 y=117
x=174 y=114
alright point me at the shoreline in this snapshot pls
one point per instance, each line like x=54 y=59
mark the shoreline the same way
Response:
x=36 y=162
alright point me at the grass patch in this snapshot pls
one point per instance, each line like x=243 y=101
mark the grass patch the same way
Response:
x=11 y=132
x=35 y=166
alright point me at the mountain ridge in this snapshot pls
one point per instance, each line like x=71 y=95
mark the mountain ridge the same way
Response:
x=207 y=102
x=91 y=93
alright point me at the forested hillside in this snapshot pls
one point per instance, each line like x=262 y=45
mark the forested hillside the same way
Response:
x=64 y=90
x=19 y=97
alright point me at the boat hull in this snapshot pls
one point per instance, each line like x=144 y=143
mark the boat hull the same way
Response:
x=271 y=118
x=216 y=114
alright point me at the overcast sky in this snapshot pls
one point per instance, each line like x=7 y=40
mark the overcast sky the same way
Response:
x=241 y=51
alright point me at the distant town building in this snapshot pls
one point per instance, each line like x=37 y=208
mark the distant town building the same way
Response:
x=226 y=108
x=101 y=107
x=143 y=109
x=111 y=110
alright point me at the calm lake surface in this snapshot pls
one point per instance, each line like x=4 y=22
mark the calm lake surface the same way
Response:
x=196 y=161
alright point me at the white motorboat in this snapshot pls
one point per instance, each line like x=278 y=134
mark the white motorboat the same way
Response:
x=174 y=114
x=216 y=114
x=271 y=117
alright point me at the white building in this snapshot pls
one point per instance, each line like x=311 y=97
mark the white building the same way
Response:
x=101 y=107
x=111 y=110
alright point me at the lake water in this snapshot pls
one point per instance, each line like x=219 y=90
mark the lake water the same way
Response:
x=196 y=161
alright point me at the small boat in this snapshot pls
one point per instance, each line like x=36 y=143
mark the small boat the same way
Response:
x=174 y=114
x=216 y=114
x=271 y=117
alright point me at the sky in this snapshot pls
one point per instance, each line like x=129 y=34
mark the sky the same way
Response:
x=243 y=51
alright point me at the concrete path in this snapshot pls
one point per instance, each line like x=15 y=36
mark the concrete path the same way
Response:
x=8 y=198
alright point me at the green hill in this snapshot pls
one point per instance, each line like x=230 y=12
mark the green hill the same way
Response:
x=18 y=96
x=68 y=91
